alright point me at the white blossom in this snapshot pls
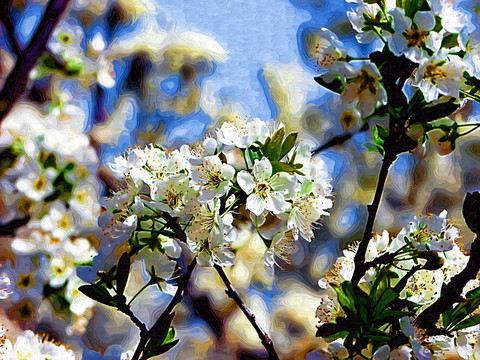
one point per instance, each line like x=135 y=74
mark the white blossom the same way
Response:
x=265 y=191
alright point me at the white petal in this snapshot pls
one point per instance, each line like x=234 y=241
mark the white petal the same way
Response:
x=425 y=20
x=262 y=169
x=246 y=181
x=255 y=204
x=276 y=203
x=228 y=171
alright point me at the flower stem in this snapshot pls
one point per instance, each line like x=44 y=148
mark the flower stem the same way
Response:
x=265 y=339
x=379 y=35
x=471 y=96
x=138 y=293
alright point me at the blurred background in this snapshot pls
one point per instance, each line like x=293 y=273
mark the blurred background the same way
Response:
x=119 y=73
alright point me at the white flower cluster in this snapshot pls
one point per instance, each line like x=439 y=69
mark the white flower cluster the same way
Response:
x=434 y=36
x=204 y=186
x=31 y=346
x=430 y=234
x=47 y=186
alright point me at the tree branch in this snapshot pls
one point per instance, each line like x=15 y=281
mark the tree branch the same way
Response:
x=16 y=82
x=427 y=319
x=360 y=266
x=9 y=229
x=266 y=341
x=127 y=311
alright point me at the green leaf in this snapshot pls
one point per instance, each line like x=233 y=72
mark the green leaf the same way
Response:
x=446 y=317
x=346 y=299
x=123 y=270
x=378 y=336
x=161 y=333
x=163 y=348
x=254 y=153
x=278 y=166
x=273 y=146
x=288 y=144
x=379 y=134
x=471 y=321
x=471 y=214
x=434 y=112
x=386 y=299
x=392 y=315
x=450 y=41
x=333 y=329
x=380 y=284
x=363 y=308
x=48 y=160
x=98 y=293
x=336 y=85
x=73 y=68
x=473 y=294
x=463 y=310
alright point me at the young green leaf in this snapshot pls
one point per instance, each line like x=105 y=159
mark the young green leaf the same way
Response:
x=98 y=293
x=123 y=270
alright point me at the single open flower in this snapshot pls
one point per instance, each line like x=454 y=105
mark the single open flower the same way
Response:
x=265 y=191
x=213 y=177
x=363 y=89
x=440 y=75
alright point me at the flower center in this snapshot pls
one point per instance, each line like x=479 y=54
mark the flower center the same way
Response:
x=263 y=189
x=40 y=183
x=173 y=198
x=25 y=281
x=433 y=73
x=415 y=37
x=214 y=178
x=365 y=82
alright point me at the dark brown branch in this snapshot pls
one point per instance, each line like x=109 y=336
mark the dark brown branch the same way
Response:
x=360 y=266
x=427 y=319
x=9 y=229
x=265 y=339
x=142 y=347
x=16 y=82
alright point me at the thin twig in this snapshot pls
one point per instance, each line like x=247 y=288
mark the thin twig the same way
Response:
x=265 y=339
x=177 y=298
x=360 y=266
x=127 y=311
x=339 y=140
x=16 y=82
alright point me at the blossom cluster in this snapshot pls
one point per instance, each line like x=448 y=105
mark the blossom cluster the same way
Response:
x=50 y=198
x=423 y=257
x=31 y=346
x=433 y=36
x=252 y=168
